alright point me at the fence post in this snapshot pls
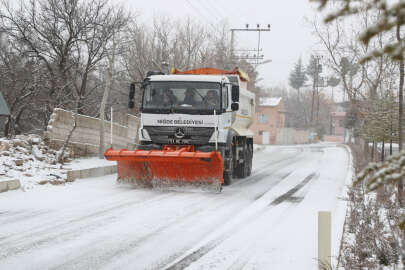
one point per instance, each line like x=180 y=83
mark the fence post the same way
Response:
x=324 y=239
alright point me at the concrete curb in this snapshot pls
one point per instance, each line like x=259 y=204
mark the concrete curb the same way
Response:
x=7 y=185
x=91 y=172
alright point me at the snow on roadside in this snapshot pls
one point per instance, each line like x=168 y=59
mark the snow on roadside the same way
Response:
x=28 y=159
x=258 y=147
x=341 y=211
x=88 y=162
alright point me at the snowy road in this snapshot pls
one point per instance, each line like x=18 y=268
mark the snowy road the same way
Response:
x=267 y=221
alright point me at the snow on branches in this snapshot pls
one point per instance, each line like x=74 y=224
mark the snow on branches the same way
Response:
x=391 y=18
x=377 y=175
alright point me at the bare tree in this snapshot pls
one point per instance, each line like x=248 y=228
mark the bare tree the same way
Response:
x=109 y=78
x=400 y=116
x=69 y=38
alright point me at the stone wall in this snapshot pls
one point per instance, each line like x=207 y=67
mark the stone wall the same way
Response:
x=292 y=136
x=85 y=139
x=333 y=138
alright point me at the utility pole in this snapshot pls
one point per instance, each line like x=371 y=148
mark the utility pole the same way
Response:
x=318 y=70
x=256 y=58
x=109 y=78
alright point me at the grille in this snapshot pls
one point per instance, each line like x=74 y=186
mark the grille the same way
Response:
x=193 y=135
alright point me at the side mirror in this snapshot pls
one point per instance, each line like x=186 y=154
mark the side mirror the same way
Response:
x=235 y=106
x=235 y=93
x=131 y=102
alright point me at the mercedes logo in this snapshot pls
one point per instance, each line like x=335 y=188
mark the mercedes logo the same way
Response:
x=179 y=133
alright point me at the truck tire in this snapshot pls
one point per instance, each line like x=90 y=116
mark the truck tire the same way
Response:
x=228 y=172
x=242 y=169
x=227 y=178
x=250 y=159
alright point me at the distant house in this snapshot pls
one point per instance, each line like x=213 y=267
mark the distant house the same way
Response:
x=337 y=128
x=338 y=120
x=269 y=118
x=4 y=113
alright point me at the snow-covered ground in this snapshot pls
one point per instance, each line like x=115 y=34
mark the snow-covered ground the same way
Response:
x=28 y=159
x=89 y=162
x=267 y=221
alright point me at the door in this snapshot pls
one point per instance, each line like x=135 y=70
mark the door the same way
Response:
x=266 y=137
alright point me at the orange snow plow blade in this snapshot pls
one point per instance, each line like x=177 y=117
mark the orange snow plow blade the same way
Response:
x=171 y=166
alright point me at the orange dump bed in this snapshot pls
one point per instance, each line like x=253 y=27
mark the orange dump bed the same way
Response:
x=214 y=71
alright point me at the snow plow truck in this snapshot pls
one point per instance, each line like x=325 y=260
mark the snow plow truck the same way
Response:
x=194 y=130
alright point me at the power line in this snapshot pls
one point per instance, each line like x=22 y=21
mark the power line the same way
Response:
x=209 y=3
x=203 y=16
x=208 y=11
x=230 y=9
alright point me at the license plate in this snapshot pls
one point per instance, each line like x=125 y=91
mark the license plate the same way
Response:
x=179 y=141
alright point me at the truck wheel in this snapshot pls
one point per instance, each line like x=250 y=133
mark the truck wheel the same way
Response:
x=238 y=170
x=227 y=178
x=250 y=160
x=243 y=168
x=246 y=167
x=228 y=173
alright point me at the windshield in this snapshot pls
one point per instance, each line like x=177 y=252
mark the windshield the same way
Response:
x=182 y=97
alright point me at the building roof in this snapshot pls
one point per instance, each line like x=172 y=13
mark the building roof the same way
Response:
x=269 y=101
x=3 y=106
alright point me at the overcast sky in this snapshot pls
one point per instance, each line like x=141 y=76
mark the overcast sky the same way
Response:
x=289 y=38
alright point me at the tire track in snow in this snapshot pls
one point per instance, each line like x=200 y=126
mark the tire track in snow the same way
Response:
x=16 y=216
x=104 y=257
x=202 y=251
x=288 y=194
x=263 y=171
x=69 y=229
x=257 y=197
x=49 y=224
x=53 y=226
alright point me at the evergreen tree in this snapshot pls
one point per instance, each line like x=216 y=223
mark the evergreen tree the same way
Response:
x=298 y=77
x=314 y=69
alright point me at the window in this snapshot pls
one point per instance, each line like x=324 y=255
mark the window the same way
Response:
x=263 y=118
x=181 y=97
x=341 y=123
